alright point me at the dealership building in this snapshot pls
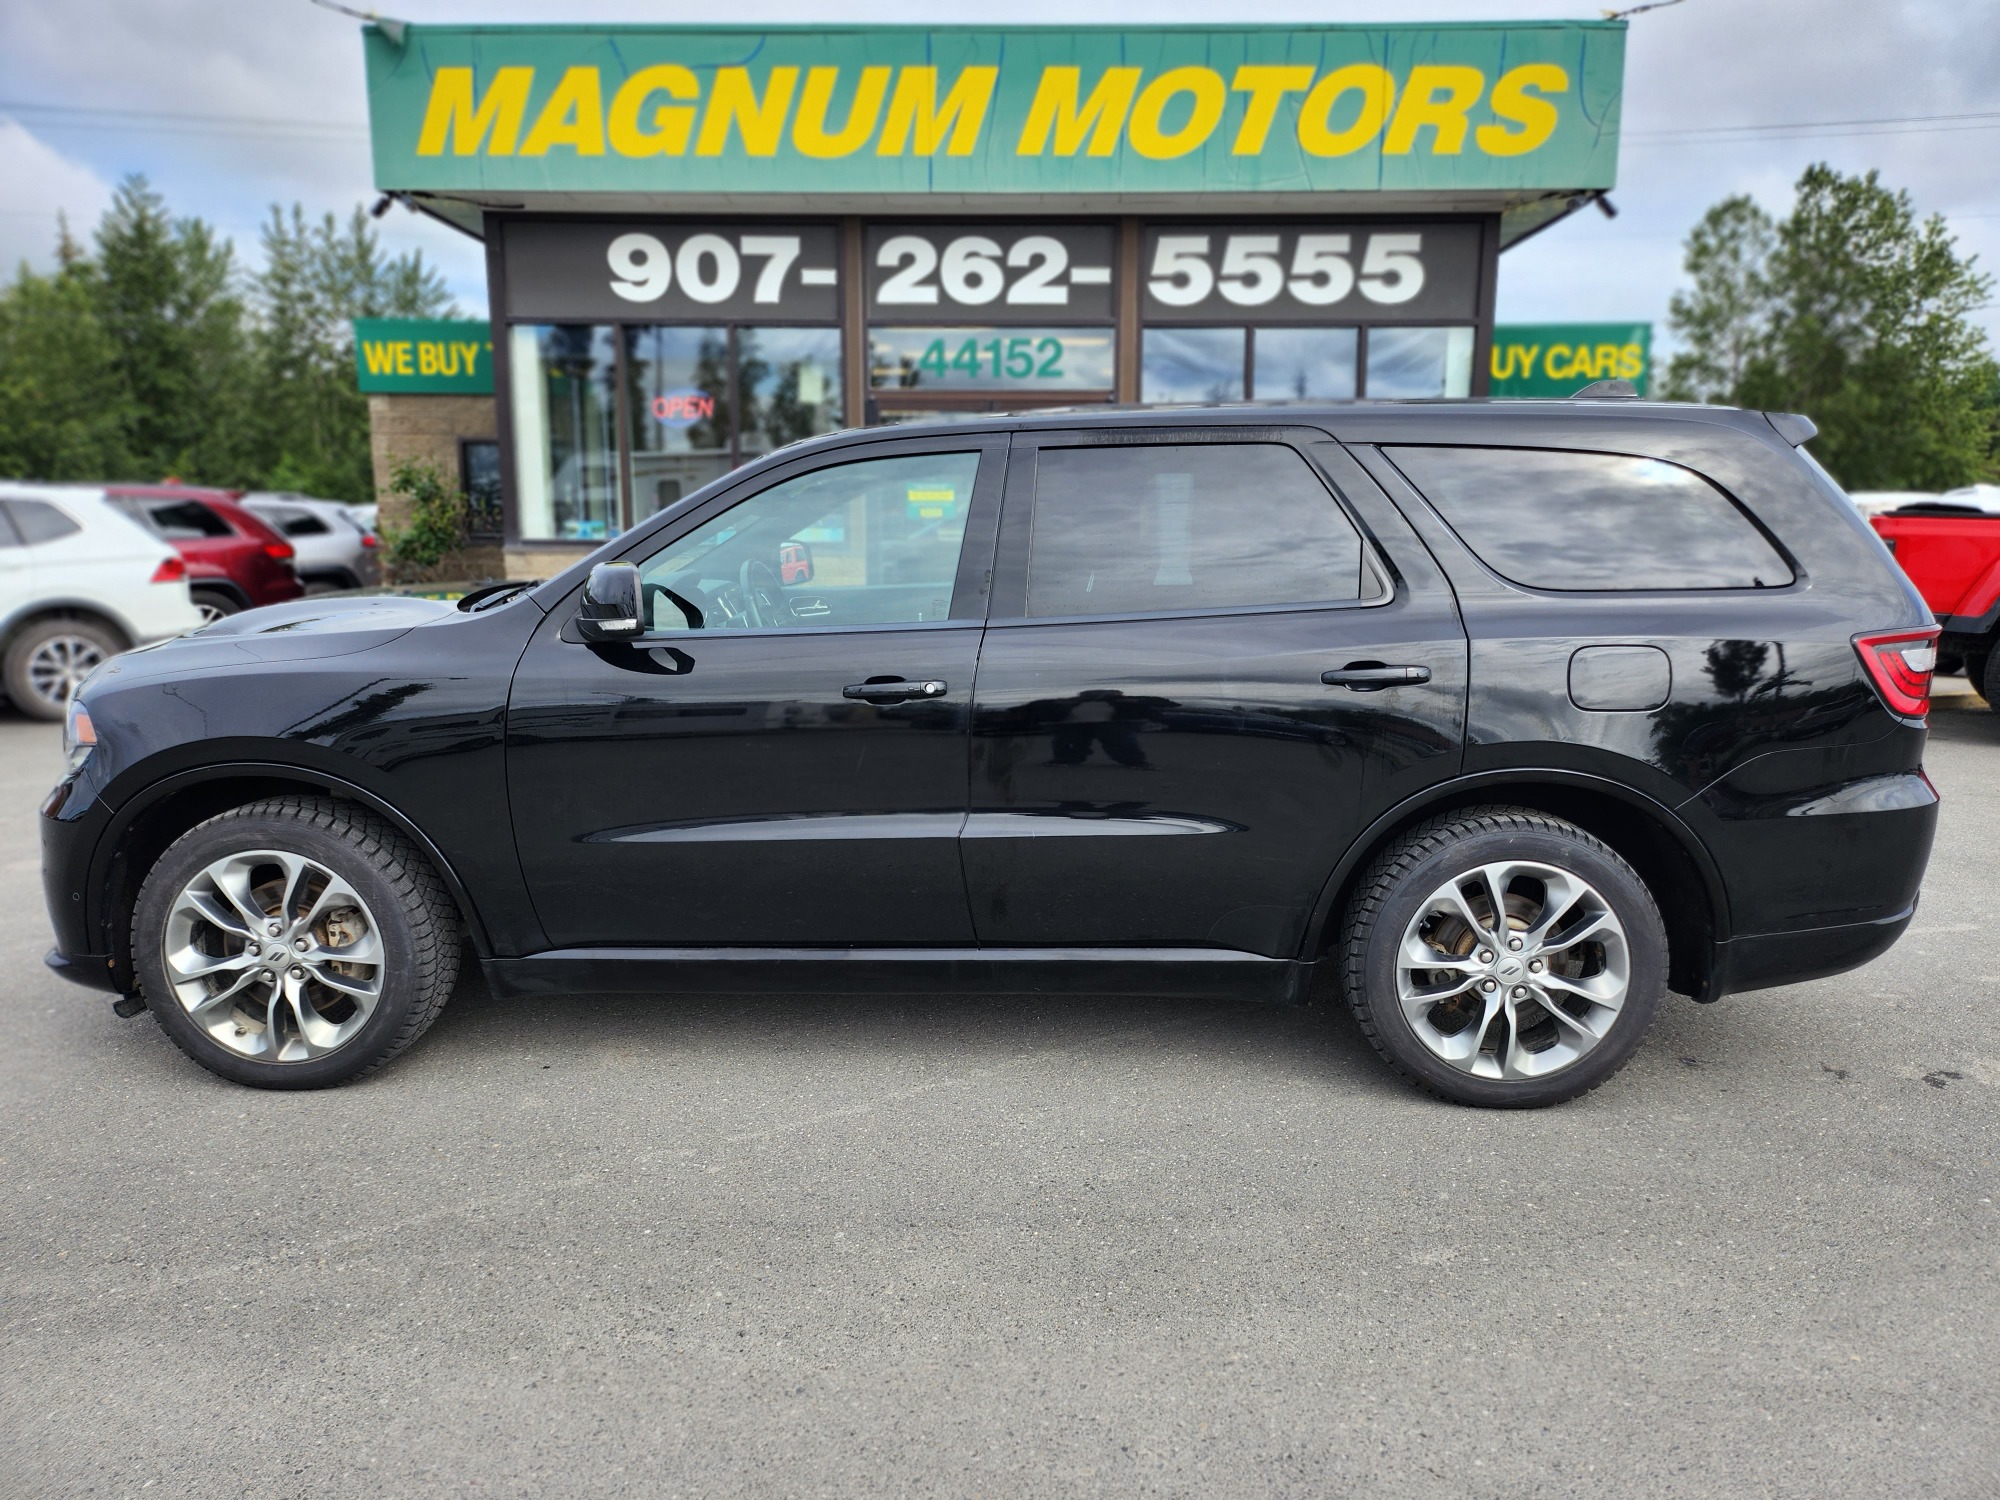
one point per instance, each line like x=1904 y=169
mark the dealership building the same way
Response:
x=705 y=243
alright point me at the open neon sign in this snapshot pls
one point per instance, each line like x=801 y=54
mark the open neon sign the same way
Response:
x=683 y=407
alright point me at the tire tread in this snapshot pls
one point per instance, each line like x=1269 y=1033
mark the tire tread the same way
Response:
x=426 y=905
x=1387 y=874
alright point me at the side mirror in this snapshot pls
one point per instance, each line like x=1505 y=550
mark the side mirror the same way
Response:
x=611 y=610
x=795 y=564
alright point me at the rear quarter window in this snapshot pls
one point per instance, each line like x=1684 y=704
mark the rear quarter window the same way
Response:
x=1592 y=522
x=38 y=522
x=178 y=520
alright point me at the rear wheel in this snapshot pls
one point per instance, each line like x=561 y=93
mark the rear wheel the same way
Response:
x=1502 y=957
x=1988 y=681
x=47 y=661
x=295 y=943
x=214 y=604
x=1975 y=672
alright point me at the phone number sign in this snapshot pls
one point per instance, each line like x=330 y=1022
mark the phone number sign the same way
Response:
x=1355 y=272
x=671 y=271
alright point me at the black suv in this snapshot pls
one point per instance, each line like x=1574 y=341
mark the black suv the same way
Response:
x=1506 y=717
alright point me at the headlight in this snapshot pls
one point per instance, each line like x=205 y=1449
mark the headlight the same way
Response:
x=79 y=734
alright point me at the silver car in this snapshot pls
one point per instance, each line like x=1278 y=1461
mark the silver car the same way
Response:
x=335 y=551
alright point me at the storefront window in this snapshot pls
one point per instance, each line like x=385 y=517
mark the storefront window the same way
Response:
x=1418 y=362
x=679 y=409
x=1304 y=364
x=1191 y=364
x=990 y=359
x=564 y=378
x=790 y=379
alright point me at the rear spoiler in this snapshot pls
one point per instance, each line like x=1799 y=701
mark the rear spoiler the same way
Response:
x=1793 y=428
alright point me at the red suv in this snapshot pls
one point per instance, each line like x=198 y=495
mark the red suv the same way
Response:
x=235 y=560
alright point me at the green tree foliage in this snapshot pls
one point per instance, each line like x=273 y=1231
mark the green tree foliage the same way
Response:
x=154 y=353
x=317 y=278
x=1855 y=313
x=63 y=411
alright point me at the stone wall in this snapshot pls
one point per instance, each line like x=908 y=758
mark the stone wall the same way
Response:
x=428 y=428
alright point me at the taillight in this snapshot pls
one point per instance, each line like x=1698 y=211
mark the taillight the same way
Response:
x=1901 y=662
x=368 y=539
x=171 y=570
x=282 y=551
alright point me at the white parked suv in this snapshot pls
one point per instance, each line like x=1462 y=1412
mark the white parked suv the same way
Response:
x=79 y=581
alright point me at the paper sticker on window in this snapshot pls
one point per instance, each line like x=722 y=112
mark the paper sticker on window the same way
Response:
x=931 y=502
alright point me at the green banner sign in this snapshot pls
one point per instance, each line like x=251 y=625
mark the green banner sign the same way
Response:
x=420 y=356
x=1560 y=359
x=911 y=110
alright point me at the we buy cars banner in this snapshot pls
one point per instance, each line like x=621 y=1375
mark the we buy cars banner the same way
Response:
x=996 y=110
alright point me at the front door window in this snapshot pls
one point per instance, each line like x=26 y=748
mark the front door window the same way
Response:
x=875 y=542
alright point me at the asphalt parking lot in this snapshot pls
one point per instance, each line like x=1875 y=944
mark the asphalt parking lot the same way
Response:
x=1011 y=1247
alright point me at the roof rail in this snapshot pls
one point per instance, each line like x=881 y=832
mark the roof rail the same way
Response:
x=1607 y=390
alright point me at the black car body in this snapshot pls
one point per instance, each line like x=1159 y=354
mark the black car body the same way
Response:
x=1094 y=769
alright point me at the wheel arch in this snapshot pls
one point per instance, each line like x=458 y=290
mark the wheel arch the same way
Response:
x=219 y=585
x=1668 y=856
x=87 y=610
x=149 y=822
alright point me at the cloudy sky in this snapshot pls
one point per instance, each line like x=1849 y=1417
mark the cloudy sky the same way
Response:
x=1922 y=75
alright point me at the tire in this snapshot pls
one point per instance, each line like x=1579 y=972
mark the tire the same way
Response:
x=1976 y=663
x=336 y=1019
x=46 y=661
x=214 y=604
x=1989 y=678
x=1402 y=896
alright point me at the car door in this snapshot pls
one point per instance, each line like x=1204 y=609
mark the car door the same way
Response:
x=781 y=758
x=17 y=568
x=1158 y=755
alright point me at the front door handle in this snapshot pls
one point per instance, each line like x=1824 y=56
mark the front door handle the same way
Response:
x=894 y=692
x=1372 y=676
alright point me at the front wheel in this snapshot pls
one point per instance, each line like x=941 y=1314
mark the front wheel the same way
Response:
x=1501 y=957
x=295 y=943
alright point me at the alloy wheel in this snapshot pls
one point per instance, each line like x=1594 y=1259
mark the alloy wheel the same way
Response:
x=274 y=955
x=1513 y=970
x=58 y=665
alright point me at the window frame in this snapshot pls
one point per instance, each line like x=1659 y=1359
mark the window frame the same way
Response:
x=1382 y=452
x=1010 y=568
x=971 y=588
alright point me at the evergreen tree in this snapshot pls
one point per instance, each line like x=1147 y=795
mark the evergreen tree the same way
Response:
x=64 y=409
x=167 y=296
x=317 y=278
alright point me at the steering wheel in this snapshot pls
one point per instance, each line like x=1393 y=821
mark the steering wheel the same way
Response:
x=757 y=599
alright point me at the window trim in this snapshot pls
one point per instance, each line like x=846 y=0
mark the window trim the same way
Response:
x=1799 y=580
x=1010 y=568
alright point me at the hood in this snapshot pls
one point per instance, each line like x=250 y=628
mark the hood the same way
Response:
x=304 y=630
x=328 y=615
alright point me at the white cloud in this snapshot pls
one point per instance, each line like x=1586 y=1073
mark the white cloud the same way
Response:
x=37 y=183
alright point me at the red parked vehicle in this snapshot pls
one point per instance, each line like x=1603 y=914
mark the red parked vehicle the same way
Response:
x=235 y=559
x=1952 y=554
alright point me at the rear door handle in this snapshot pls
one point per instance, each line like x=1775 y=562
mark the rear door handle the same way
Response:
x=1372 y=677
x=894 y=692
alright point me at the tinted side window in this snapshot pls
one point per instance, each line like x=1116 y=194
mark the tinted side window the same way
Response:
x=1128 y=530
x=293 y=522
x=184 y=520
x=1592 y=522
x=39 y=522
x=874 y=542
